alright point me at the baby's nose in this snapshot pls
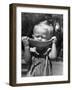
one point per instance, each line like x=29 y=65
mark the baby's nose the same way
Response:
x=39 y=38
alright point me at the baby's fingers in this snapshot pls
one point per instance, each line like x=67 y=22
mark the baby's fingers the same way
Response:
x=25 y=38
x=54 y=39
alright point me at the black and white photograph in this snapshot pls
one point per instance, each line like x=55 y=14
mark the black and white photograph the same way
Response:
x=41 y=44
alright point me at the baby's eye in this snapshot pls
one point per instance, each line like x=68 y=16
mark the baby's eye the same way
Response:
x=43 y=36
x=36 y=36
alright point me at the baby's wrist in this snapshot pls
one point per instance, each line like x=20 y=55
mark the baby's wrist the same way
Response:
x=54 y=42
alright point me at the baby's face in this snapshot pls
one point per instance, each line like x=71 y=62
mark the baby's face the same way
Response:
x=41 y=35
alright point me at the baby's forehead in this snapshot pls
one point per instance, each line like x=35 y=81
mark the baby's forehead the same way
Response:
x=42 y=28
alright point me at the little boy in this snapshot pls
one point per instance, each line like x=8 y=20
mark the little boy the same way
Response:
x=38 y=59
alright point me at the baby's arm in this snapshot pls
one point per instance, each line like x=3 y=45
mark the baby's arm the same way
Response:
x=53 y=53
x=27 y=55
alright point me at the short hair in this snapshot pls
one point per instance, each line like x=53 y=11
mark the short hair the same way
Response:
x=44 y=25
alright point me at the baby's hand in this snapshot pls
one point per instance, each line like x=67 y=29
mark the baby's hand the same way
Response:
x=54 y=39
x=34 y=50
x=25 y=40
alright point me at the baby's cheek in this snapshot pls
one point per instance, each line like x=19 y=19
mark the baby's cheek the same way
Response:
x=35 y=38
x=43 y=39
